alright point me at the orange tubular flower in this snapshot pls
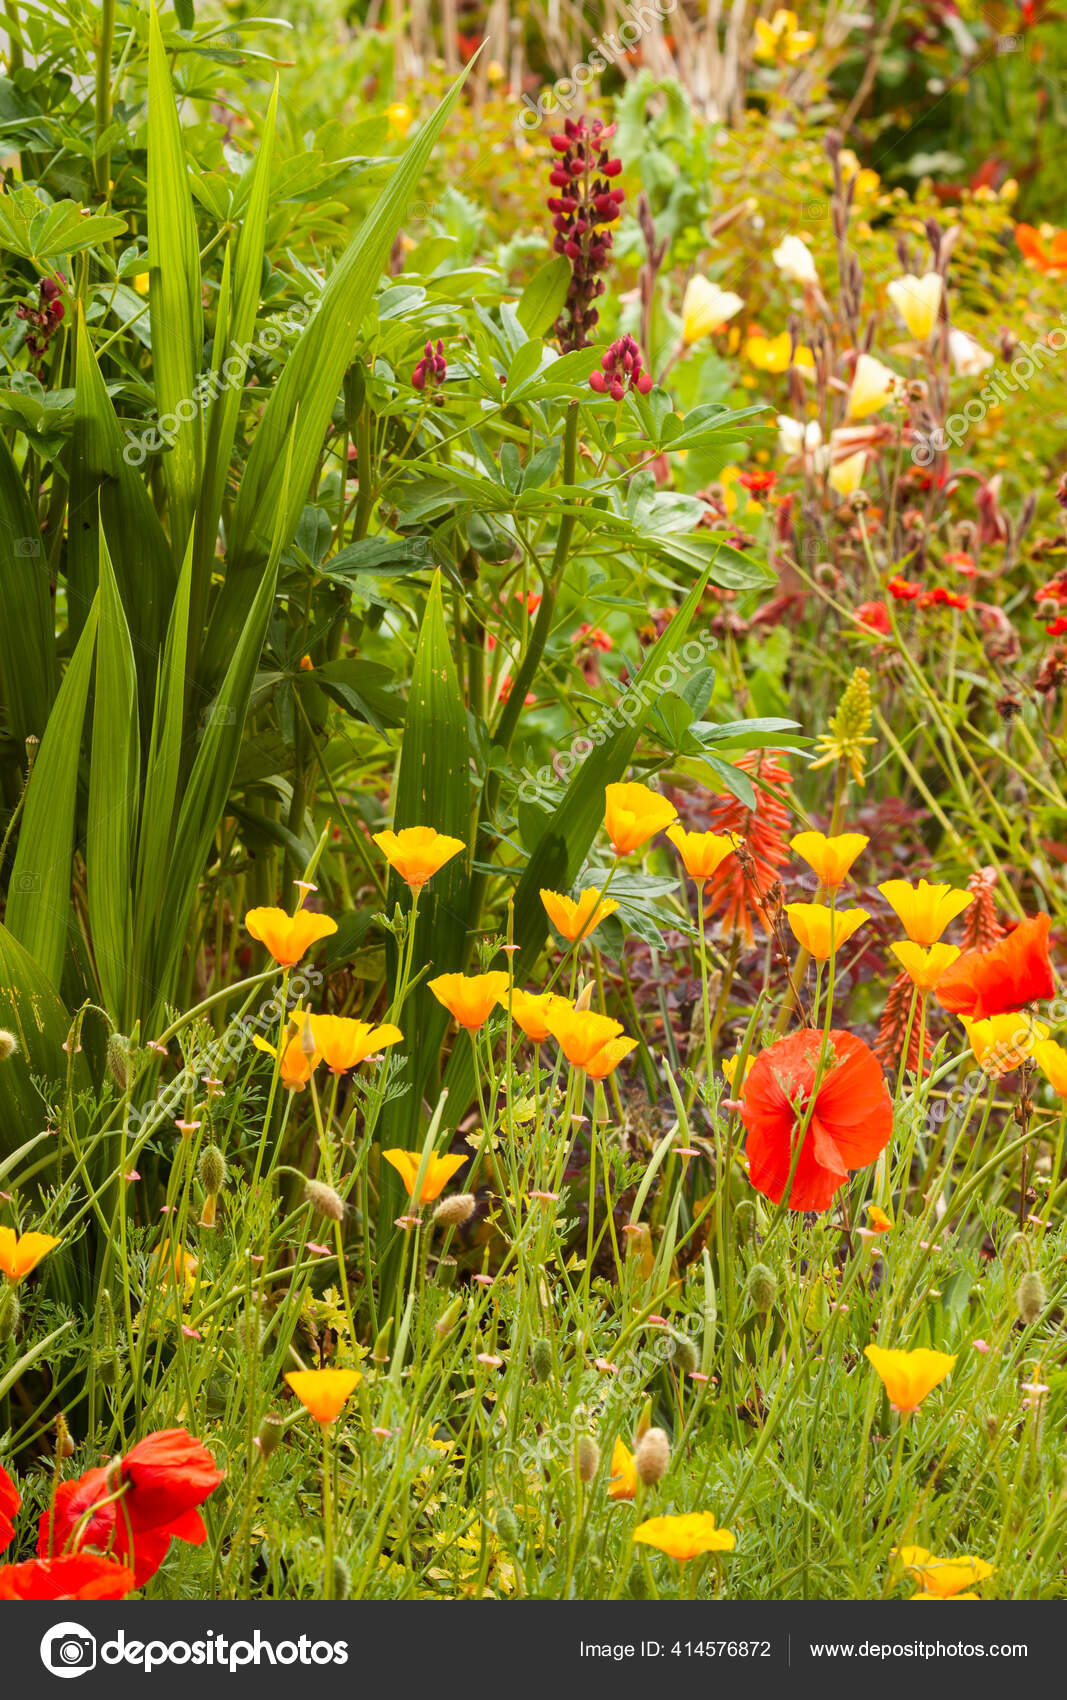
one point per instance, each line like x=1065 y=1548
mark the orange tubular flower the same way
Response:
x=633 y=814
x=702 y=853
x=924 y=910
x=75 y=1576
x=622 y=1483
x=417 y=853
x=343 y=1044
x=1016 y=972
x=577 y=920
x=21 y=1253
x=323 y=1392
x=439 y=1171
x=471 y=998
x=295 y=1068
x=830 y=858
x=580 y=1033
x=850 y=1123
x=909 y=1376
x=529 y=1011
x=685 y=1537
x=609 y=1057
x=288 y=937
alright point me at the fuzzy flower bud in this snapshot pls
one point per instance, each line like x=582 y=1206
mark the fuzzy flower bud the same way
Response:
x=507 y=1527
x=454 y=1211
x=10 y=1311
x=323 y=1199
x=587 y=1457
x=1031 y=1297
x=762 y=1287
x=684 y=1354
x=541 y=1358
x=212 y=1169
x=118 y=1059
x=653 y=1456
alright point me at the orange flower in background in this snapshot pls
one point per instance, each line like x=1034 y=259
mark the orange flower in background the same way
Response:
x=925 y=968
x=417 y=852
x=608 y=1058
x=924 y=910
x=77 y=1576
x=685 y=1537
x=731 y=891
x=829 y=858
x=633 y=814
x=702 y=853
x=529 y=1011
x=1015 y=972
x=850 y=1122
x=1045 y=248
x=943 y=1578
x=577 y=920
x=343 y=1044
x=909 y=1376
x=288 y=937
x=21 y=1253
x=580 y=1033
x=9 y=1504
x=877 y=1220
x=471 y=998
x=622 y=1483
x=295 y=1068
x=323 y=1392
x=439 y=1171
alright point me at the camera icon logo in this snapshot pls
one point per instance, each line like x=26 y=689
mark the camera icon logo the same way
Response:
x=68 y=1650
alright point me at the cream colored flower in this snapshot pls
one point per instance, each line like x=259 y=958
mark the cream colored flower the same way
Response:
x=918 y=301
x=795 y=261
x=705 y=308
x=872 y=385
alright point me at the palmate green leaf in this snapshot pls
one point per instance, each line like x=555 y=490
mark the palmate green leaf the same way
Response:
x=114 y=791
x=38 y=904
x=27 y=641
x=44 y=233
x=302 y=402
x=175 y=304
x=31 y=1009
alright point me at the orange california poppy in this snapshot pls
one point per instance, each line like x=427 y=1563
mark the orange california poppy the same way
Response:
x=702 y=853
x=609 y=1057
x=577 y=920
x=471 y=998
x=439 y=1171
x=294 y=1069
x=323 y=1392
x=21 y=1253
x=830 y=858
x=686 y=1536
x=288 y=937
x=343 y=1044
x=925 y=966
x=909 y=1376
x=622 y=1483
x=633 y=814
x=1017 y=971
x=417 y=852
x=851 y=1122
x=943 y=1578
x=580 y=1033
x=529 y=1011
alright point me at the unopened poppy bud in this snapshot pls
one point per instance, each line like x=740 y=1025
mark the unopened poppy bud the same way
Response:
x=380 y=1354
x=454 y=1211
x=1031 y=1298
x=448 y=1318
x=652 y=1457
x=10 y=1311
x=684 y=1354
x=118 y=1059
x=507 y=1527
x=270 y=1433
x=588 y=1457
x=323 y=1199
x=212 y=1169
x=745 y=1220
x=762 y=1287
x=644 y=1422
x=585 y=996
x=541 y=1358
x=636 y=1583
x=207 y=1212
x=8 y=1044
x=342 y=1578
x=307 y=1038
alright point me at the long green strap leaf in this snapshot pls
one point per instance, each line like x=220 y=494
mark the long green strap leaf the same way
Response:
x=30 y=1008
x=27 y=639
x=114 y=789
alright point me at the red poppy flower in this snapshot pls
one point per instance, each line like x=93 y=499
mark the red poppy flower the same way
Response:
x=9 y=1504
x=875 y=615
x=903 y=589
x=170 y=1474
x=1017 y=971
x=78 y=1576
x=105 y=1529
x=850 y=1123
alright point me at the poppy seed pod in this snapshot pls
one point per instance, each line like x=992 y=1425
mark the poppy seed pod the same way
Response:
x=745 y=1220
x=118 y=1058
x=507 y=1527
x=448 y=1318
x=1031 y=1297
x=684 y=1355
x=270 y=1433
x=541 y=1358
x=587 y=1457
x=454 y=1211
x=212 y=1170
x=762 y=1287
x=323 y=1199
x=653 y=1456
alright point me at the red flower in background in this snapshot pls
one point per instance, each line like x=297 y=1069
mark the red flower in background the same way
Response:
x=850 y=1123
x=903 y=589
x=875 y=615
x=9 y=1504
x=79 y=1576
x=1017 y=971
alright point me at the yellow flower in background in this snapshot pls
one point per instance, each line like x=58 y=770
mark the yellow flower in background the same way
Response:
x=846 y=476
x=781 y=40
x=343 y=1043
x=943 y=1578
x=529 y=1011
x=822 y=930
x=140 y=283
x=400 y=118
x=471 y=998
x=866 y=181
x=608 y=1058
x=777 y=354
x=172 y=1266
x=686 y=1536
x=924 y=910
x=577 y=920
x=439 y=1171
x=417 y=852
x=729 y=1069
x=622 y=1483
x=323 y=1392
x=918 y=301
x=21 y=1253
x=580 y=1033
x=829 y=858
x=909 y=1376
x=1000 y=1043
x=926 y=968
x=705 y=307
x=701 y=852
x=288 y=937
x=873 y=383
x=634 y=813
x=1051 y=1059
x=295 y=1066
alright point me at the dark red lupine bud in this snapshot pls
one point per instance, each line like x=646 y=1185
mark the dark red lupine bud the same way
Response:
x=622 y=364
x=611 y=167
x=560 y=143
x=598 y=382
